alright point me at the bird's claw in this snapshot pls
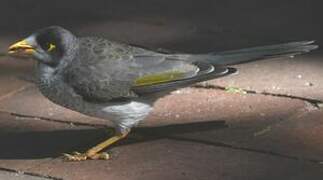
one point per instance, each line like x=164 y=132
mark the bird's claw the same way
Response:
x=76 y=156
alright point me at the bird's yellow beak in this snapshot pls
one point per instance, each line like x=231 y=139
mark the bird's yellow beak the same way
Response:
x=21 y=48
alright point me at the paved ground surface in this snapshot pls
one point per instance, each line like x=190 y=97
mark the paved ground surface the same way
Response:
x=273 y=131
x=202 y=132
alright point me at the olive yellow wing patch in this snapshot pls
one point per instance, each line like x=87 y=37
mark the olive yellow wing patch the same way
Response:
x=151 y=79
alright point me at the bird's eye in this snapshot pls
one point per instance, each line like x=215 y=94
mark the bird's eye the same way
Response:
x=47 y=46
x=51 y=47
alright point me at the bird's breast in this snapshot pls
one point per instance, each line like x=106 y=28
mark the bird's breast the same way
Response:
x=53 y=87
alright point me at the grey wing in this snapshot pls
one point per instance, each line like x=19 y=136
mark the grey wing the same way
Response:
x=108 y=70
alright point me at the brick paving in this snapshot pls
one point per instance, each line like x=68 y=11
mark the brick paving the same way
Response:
x=212 y=135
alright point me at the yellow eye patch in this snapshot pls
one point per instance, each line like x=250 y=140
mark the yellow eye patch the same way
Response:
x=51 y=47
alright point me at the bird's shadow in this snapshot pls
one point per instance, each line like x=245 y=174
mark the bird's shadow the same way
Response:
x=47 y=144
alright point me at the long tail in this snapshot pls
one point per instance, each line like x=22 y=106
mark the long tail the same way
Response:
x=256 y=53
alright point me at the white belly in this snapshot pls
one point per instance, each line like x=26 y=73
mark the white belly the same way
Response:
x=128 y=114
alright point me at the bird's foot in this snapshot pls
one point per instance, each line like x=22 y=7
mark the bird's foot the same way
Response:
x=76 y=156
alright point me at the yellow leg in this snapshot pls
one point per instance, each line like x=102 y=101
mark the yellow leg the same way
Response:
x=93 y=153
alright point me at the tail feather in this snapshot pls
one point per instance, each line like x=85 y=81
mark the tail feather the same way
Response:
x=256 y=53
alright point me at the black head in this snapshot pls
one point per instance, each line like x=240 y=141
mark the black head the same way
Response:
x=49 y=45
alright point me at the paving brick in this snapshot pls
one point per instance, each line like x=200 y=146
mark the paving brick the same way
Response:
x=168 y=159
x=12 y=72
x=300 y=76
x=297 y=136
x=16 y=176
x=25 y=140
x=182 y=160
x=150 y=153
x=184 y=106
x=34 y=104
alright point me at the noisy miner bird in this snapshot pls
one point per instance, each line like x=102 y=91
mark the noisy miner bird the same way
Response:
x=119 y=82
